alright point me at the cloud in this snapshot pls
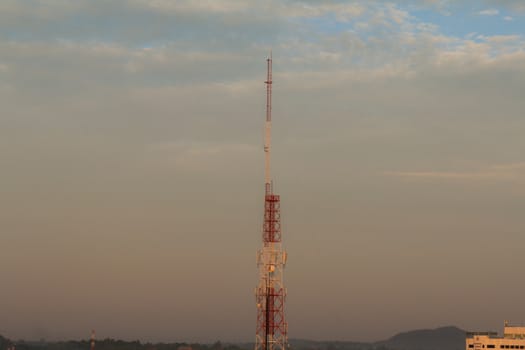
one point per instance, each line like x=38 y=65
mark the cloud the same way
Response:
x=508 y=18
x=39 y=9
x=503 y=38
x=500 y=172
x=186 y=150
x=184 y=157
x=512 y=5
x=187 y=6
x=184 y=37
x=488 y=12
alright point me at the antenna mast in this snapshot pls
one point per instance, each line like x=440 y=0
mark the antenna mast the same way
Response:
x=272 y=329
x=268 y=126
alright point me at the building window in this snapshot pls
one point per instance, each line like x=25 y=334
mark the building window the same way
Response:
x=490 y=346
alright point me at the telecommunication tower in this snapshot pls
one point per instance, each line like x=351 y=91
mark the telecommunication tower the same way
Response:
x=270 y=294
x=92 y=339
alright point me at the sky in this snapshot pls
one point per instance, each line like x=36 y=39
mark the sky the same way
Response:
x=132 y=180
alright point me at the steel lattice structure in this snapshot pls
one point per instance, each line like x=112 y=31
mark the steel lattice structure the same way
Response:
x=270 y=294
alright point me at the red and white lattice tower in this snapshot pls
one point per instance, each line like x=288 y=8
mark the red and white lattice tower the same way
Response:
x=270 y=294
x=92 y=340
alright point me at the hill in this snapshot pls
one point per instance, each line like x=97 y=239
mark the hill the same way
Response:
x=444 y=338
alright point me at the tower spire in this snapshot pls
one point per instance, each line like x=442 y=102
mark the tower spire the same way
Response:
x=268 y=126
x=272 y=329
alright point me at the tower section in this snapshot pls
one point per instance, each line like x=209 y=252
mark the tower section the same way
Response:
x=270 y=293
x=92 y=345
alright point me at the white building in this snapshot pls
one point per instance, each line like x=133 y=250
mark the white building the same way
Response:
x=513 y=338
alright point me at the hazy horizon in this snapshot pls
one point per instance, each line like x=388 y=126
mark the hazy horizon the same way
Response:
x=132 y=166
x=224 y=342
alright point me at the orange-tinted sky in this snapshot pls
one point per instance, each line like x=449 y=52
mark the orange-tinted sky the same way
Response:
x=132 y=166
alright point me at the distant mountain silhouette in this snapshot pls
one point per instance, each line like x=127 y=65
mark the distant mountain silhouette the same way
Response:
x=444 y=338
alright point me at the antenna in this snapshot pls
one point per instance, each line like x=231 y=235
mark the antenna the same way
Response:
x=268 y=126
x=272 y=329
